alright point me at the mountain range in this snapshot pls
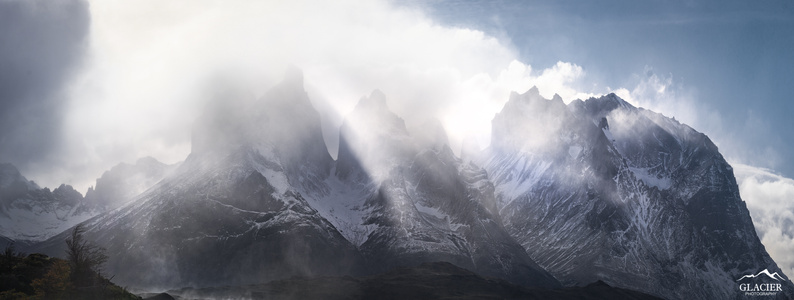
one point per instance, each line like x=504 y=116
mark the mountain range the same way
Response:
x=565 y=195
x=30 y=214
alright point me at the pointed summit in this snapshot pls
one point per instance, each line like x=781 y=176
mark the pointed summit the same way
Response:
x=601 y=106
x=529 y=118
x=373 y=115
x=369 y=133
x=282 y=125
x=378 y=95
x=375 y=103
x=557 y=98
x=533 y=91
x=9 y=175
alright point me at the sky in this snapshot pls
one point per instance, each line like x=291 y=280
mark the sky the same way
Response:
x=85 y=85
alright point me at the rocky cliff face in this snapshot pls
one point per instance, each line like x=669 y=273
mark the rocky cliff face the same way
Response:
x=420 y=203
x=234 y=212
x=601 y=190
x=572 y=194
x=268 y=202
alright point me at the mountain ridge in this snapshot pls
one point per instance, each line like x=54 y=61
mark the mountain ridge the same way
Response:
x=623 y=195
x=29 y=213
x=572 y=194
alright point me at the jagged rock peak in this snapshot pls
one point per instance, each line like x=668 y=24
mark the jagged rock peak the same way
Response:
x=9 y=174
x=518 y=105
x=7 y=167
x=557 y=98
x=533 y=91
x=614 y=98
x=67 y=194
x=124 y=181
x=373 y=113
x=8 y=171
x=283 y=120
x=370 y=133
x=605 y=104
x=65 y=188
x=532 y=98
x=289 y=93
x=376 y=102
x=530 y=94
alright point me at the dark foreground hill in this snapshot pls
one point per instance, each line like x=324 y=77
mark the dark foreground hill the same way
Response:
x=437 y=280
x=37 y=276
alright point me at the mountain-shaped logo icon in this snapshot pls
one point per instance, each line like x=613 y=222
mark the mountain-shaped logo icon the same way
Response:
x=774 y=276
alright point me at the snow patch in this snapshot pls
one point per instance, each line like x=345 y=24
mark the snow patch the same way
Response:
x=574 y=151
x=343 y=206
x=275 y=178
x=661 y=182
x=435 y=212
x=30 y=221
x=526 y=172
x=608 y=134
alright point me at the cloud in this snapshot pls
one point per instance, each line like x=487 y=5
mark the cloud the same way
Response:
x=769 y=199
x=41 y=45
x=152 y=66
x=756 y=143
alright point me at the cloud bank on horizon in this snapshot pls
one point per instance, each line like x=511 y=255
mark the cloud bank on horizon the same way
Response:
x=769 y=200
x=86 y=85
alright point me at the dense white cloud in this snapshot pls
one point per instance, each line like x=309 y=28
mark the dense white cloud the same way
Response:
x=769 y=198
x=152 y=65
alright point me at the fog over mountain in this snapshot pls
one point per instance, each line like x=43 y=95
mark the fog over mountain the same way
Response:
x=409 y=134
x=565 y=195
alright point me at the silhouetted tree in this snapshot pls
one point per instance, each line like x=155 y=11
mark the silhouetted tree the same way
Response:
x=85 y=259
x=9 y=257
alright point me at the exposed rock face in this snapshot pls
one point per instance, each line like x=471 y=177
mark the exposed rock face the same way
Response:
x=421 y=203
x=601 y=190
x=234 y=212
x=269 y=202
x=593 y=190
